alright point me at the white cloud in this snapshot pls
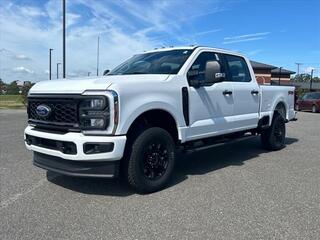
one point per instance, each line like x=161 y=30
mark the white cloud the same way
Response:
x=309 y=69
x=208 y=32
x=246 y=37
x=21 y=57
x=29 y=32
x=22 y=70
x=31 y=11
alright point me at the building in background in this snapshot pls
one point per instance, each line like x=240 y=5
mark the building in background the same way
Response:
x=269 y=74
x=262 y=72
x=284 y=75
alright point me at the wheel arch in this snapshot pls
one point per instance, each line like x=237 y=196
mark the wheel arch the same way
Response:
x=281 y=108
x=155 y=118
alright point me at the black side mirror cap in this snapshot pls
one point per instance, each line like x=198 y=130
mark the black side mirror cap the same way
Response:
x=106 y=72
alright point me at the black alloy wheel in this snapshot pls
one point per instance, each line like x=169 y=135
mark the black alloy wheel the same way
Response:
x=274 y=137
x=151 y=160
x=156 y=160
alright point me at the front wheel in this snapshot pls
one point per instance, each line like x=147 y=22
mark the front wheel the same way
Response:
x=274 y=137
x=152 y=159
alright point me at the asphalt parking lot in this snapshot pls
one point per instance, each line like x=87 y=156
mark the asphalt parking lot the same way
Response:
x=236 y=191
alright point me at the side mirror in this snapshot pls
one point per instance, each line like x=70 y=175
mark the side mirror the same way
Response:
x=106 y=72
x=213 y=73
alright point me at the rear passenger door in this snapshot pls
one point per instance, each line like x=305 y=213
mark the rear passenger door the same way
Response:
x=246 y=93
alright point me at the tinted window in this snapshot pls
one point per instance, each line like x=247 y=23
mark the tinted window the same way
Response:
x=197 y=70
x=238 y=69
x=162 y=62
x=317 y=95
x=304 y=97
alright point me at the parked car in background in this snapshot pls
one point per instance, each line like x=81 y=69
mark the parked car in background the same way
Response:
x=309 y=102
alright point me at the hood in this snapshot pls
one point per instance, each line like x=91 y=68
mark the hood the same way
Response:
x=79 y=85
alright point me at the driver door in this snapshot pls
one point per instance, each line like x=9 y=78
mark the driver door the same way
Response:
x=210 y=107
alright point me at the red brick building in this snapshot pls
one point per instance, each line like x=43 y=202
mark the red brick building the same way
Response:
x=266 y=73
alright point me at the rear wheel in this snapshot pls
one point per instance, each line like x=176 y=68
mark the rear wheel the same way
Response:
x=151 y=162
x=274 y=137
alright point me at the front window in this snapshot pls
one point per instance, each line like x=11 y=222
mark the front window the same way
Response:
x=198 y=68
x=162 y=62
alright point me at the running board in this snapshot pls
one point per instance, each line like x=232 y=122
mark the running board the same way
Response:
x=205 y=147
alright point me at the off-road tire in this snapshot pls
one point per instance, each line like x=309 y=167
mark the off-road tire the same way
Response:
x=141 y=148
x=273 y=138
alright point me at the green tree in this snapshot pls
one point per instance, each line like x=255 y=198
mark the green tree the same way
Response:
x=25 y=92
x=12 y=88
x=304 y=78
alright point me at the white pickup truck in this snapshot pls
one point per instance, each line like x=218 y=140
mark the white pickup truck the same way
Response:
x=131 y=121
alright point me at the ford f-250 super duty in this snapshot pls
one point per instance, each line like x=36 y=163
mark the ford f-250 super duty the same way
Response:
x=132 y=120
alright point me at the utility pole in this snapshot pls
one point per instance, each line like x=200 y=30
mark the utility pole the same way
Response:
x=50 y=50
x=58 y=70
x=64 y=36
x=280 y=75
x=98 y=55
x=311 y=80
x=298 y=66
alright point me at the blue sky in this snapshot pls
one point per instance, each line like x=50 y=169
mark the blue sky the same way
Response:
x=276 y=32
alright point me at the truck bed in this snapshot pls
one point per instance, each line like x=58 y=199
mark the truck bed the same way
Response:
x=272 y=95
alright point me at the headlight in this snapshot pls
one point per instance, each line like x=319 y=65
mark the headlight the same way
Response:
x=94 y=103
x=94 y=113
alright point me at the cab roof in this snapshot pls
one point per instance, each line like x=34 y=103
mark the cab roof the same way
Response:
x=193 y=47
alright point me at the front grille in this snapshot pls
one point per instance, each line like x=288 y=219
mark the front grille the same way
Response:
x=64 y=112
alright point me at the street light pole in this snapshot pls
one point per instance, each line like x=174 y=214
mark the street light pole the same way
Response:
x=58 y=70
x=298 y=66
x=280 y=75
x=98 y=55
x=50 y=50
x=64 y=36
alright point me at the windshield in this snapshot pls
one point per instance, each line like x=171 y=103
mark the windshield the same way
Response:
x=162 y=62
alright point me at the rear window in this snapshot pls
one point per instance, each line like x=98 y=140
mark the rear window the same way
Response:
x=238 y=69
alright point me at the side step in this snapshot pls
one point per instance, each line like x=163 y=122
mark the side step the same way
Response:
x=216 y=144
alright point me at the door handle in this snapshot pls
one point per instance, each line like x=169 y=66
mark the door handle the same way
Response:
x=254 y=92
x=227 y=92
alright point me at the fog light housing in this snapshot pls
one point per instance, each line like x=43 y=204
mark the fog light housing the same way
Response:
x=94 y=148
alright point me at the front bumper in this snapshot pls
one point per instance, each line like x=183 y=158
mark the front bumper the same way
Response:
x=79 y=139
x=106 y=169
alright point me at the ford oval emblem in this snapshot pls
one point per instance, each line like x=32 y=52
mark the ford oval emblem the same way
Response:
x=43 y=110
